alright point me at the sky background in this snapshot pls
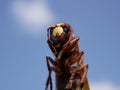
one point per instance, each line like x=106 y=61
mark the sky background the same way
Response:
x=23 y=47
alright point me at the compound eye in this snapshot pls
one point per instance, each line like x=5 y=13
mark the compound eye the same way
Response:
x=50 y=31
x=66 y=29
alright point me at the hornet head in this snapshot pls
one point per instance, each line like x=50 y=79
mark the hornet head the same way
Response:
x=59 y=34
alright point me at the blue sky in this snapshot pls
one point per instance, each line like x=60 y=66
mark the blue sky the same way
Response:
x=23 y=38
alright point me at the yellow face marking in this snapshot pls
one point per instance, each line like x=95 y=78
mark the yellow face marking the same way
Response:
x=59 y=24
x=57 y=31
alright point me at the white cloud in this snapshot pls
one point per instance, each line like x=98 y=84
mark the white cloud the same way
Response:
x=103 y=85
x=32 y=14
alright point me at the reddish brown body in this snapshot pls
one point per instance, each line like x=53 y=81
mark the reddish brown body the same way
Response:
x=64 y=45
